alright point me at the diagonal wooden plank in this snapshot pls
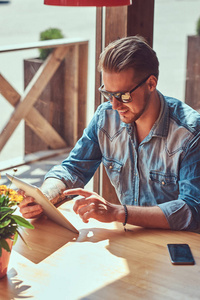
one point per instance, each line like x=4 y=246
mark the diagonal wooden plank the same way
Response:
x=8 y=92
x=32 y=92
x=44 y=130
x=34 y=119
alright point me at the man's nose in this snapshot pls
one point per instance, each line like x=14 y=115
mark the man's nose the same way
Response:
x=115 y=103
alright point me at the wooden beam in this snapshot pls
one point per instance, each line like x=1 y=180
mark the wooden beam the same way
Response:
x=8 y=92
x=43 y=44
x=115 y=23
x=82 y=88
x=32 y=92
x=35 y=120
x=71 y=95
x=44 y=130
x=99 y=36
x=140 y=19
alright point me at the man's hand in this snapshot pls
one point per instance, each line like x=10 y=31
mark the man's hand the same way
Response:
x=28 y=208
x=52 y=188
x=94 y=206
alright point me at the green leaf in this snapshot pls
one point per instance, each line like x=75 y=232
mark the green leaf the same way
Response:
x=6 y=212
x=15 y=238
x=6 y=209
x=22 y=222
x=5 y=223
x=4 y=200
x=4 y=244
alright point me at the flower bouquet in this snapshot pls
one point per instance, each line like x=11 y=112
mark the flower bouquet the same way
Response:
x=10 y=223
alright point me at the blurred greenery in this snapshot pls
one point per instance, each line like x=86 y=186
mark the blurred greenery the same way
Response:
x=49 y=34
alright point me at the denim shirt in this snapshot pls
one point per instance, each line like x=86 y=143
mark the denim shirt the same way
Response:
x=163 y=170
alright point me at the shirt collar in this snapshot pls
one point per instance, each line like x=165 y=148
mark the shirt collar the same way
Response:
x=161 y=126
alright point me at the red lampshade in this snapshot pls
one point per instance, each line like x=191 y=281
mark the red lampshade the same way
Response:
x=88 y=2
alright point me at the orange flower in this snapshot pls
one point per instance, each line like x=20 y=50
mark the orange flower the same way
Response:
x=13 y=195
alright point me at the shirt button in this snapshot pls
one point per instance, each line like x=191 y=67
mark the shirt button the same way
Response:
x=110 y=167
x=163 y=183
x=135 y=200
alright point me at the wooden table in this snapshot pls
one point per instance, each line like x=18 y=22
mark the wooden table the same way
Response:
x=102 y=262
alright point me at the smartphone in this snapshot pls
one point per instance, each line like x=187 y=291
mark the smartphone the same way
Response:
x=180 y=254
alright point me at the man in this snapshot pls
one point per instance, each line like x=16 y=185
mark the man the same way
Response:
x=148 y=143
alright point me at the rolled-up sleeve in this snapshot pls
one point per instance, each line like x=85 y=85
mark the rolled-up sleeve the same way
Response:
x=178 y=214
x=184 y=213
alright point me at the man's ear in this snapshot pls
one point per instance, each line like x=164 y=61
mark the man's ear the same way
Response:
x=152 y=83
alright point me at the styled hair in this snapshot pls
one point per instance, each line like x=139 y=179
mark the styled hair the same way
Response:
x=129 y=52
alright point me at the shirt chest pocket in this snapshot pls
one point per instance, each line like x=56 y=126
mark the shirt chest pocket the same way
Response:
x=164 y=179
x=164 y=186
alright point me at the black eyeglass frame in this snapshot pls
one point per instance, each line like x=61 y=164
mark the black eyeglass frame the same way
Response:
x=118 y=95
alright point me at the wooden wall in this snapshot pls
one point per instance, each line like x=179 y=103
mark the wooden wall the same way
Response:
x=63 y=102
x=192 y=91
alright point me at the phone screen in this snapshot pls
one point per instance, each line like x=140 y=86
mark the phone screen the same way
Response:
x=180 y=254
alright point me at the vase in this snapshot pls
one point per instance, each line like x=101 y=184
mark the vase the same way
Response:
x=4 y=259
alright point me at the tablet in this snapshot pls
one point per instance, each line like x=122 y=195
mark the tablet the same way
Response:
x=49 y=209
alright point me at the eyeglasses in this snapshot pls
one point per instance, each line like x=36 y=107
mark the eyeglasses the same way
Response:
x=121 y=97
